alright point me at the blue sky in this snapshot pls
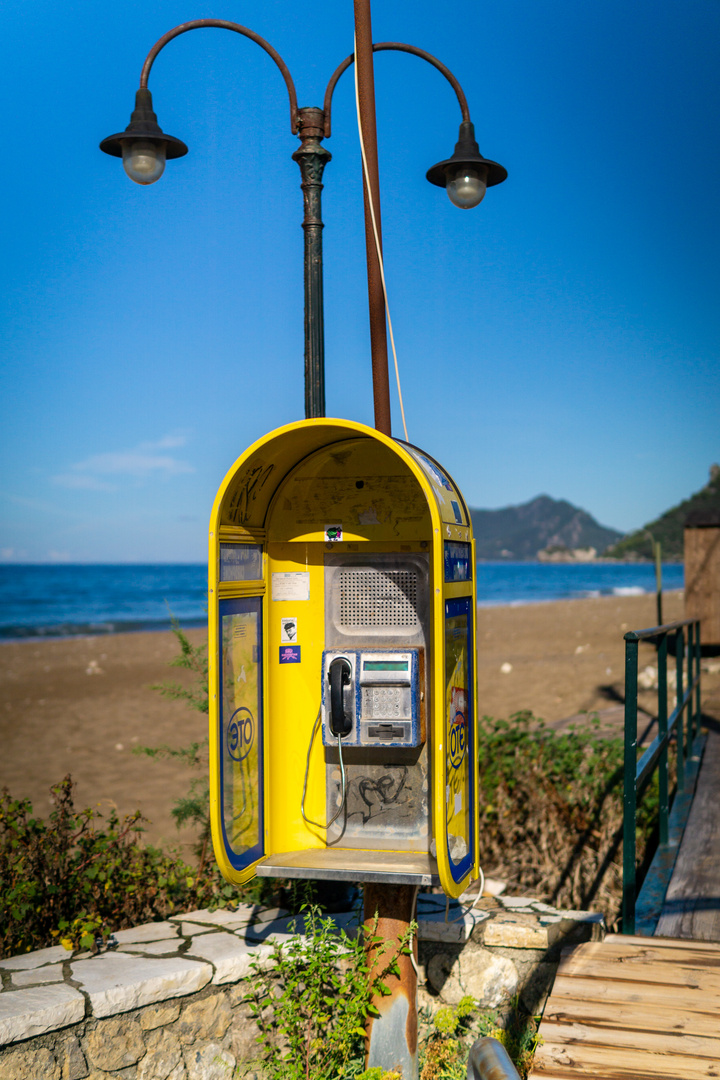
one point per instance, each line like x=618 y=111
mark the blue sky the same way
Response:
x=562 y=338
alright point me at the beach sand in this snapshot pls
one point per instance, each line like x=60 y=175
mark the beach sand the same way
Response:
x=80 y=705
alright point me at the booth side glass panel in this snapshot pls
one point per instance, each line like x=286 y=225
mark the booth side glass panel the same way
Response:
x=240 y=735
x=460 y=793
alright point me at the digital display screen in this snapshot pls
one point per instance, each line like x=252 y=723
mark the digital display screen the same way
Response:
x=385 y=665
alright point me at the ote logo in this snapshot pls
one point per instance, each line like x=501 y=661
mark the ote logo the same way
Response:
x=458 y=740
x=240 y=734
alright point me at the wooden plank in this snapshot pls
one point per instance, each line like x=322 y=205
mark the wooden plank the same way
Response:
x=656 y=1042
x=571 y=1062
x=629 y=942
x=665 y=943
x=692 y=902
x=687 y=955
x=645 y=994
x=668 y=949
x=633 y=1008
x=674 y=976
x=653 y=1016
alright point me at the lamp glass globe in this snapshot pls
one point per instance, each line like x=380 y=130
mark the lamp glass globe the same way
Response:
x=466 y=185
x=143 y=160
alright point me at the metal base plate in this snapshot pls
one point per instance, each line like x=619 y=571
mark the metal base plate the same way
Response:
x=345 y=864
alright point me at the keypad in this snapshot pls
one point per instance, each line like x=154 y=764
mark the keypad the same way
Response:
x=382 y=702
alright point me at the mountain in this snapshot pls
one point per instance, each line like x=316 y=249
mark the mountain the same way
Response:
x=668 y=528
x=520 y=532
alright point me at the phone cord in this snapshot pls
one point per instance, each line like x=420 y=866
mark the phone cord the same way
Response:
x=317 y=824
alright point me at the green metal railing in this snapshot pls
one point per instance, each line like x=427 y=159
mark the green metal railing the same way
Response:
x=639 y=772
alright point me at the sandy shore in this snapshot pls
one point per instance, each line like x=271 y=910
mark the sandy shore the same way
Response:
x=80 y=705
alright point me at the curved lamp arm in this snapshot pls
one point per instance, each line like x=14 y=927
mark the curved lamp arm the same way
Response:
x=395 y=46
x=199 y=24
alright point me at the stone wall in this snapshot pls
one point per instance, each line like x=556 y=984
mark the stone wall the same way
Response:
x=165 y=1001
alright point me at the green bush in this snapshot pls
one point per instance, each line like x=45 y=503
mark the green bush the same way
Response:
x=193 y=807
x=445 y=1052
x=312 y=1001
x=78 y=875
x=551 y=808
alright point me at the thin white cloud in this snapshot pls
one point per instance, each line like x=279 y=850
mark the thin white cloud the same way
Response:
x=84 y=482
x=147 y=459
x=132 y=463
x=168 y=442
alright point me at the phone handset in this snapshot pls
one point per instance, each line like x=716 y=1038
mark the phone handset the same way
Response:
x=339 y=675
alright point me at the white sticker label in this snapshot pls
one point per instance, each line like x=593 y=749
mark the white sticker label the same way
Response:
x=333 y=533
x=291 y=586
x=288 y=629
x=458 y=802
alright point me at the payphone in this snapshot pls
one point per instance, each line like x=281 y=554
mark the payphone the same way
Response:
x=342 y=674
x=371 y=698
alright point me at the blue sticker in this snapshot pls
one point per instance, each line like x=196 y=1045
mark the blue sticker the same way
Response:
x=289 y=654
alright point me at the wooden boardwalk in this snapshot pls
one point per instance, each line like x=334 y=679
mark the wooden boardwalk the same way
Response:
x=692 y=902
x=633 y=1008
x=648 y=1008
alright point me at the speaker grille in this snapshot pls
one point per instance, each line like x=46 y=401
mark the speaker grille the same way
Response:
x=370 y=598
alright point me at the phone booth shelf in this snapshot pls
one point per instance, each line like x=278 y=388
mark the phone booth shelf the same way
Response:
x=343 y=711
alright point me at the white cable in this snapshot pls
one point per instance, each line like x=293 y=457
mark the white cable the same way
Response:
x=411 y=942
x=318 y=824
x=377 y=242
x=468 y=910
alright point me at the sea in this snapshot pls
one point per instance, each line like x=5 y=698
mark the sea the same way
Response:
x=68 y=601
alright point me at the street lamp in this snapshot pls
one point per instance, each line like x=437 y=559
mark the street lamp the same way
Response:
x=467 y=174
x=143 y=145
x=144 y=148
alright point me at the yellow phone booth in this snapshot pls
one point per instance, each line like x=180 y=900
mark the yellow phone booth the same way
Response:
x=343 y=711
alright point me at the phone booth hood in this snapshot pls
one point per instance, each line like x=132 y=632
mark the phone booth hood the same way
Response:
x=330 y=539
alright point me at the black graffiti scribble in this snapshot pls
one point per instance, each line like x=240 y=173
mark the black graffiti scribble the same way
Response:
x=382 y=788
x=248 y=492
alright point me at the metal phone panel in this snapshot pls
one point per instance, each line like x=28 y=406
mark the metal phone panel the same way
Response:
x=387 y=799
x=376 y=600
x=382 y=698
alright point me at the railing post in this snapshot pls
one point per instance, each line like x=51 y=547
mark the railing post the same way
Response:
x=662 y=731
x=679 y=729
x=630 y=789
x=690 y=677
x=698 y=706
x=681 y=692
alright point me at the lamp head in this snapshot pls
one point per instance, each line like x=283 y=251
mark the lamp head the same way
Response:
x=467 y=174
x=143 y=145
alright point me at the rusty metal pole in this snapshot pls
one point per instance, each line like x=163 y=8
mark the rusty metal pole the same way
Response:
x=376 y=299
x=391 y=1038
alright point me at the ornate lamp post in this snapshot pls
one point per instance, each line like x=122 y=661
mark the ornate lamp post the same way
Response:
x=466 y=175
x=144 y=149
